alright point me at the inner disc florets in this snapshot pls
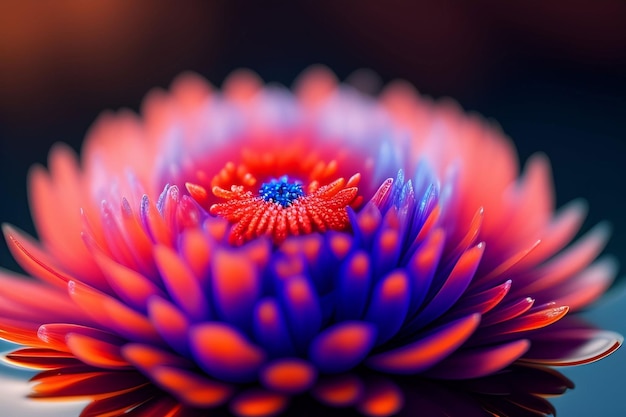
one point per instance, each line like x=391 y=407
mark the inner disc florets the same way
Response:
x=277 y=194
x=281 y=191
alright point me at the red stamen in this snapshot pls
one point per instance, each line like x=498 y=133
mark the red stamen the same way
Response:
x=323 y=208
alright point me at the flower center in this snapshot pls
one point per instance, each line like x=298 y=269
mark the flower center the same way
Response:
x=281 y=206
x=281 y=191
x=279 y=186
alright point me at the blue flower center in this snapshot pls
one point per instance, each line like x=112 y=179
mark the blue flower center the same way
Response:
x=281 y=191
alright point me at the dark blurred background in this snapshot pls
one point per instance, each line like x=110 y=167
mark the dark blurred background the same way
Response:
x=552 y=73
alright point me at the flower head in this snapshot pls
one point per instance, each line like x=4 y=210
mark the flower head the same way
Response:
x=259 y=236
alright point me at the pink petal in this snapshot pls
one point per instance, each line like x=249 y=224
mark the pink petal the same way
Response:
x=533 y=200
x=33 y=258
x=25 y=299
x=315 y=85
x=559 y=233
x=569 y=262
x=587 y=286
x=55 y=202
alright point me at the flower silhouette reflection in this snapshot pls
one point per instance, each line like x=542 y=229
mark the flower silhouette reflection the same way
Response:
x=259 y=237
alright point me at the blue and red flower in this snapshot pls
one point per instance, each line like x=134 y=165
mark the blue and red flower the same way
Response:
x=258 y=237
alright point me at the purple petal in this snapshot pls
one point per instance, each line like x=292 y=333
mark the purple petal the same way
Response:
x=452 y=289
x=302 y=310
x=387 y=243
x=353 y=287
x=389 y=305
x=343 y=346
x=270 y=329
x=422 y=266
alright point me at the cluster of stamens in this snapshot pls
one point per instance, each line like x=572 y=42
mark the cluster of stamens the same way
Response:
x=281 y=208
x=278 y=189
x=281 y=191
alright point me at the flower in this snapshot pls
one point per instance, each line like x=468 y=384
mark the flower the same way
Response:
x=258 y=237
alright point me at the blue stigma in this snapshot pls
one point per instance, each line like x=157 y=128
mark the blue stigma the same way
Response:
x=281 y=191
